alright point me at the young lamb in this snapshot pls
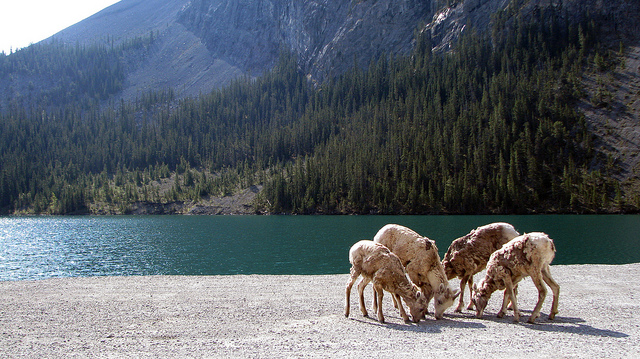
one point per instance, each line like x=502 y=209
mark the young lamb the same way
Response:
x=527 y=255
x=419 y=255
x=468 y=255
x=376 y=263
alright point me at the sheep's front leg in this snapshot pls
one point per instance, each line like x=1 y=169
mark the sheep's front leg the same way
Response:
x=363 y=283
x=505 y=303
x=542 y=293
x=515 y=291
x=374 y=303
x=380 y=294
x=396 y=302
x=470 y=283
x=428 y=293
x=463 y=283
x=511 y=294
x=546 y=275
x=403 y=314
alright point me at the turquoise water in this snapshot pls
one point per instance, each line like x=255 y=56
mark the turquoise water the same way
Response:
x=45 y=247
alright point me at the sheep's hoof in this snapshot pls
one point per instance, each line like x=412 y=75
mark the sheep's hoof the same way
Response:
x=531 y=320
x=500 y=314
x=471 y=306
x=458 y=310
x=552 y=316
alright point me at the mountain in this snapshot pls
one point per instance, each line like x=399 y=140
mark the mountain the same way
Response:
x=443 y=106
x=177 y=60
x=204 y=44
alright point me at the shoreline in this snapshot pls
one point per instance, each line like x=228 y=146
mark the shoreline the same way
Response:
x=302 y=316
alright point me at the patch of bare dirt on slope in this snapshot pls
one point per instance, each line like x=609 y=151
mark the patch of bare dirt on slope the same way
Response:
x=241 y=202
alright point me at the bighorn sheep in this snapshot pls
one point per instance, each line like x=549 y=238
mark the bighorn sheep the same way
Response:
x=419 y=255
x=527 y=255
x=468 y=255
x=376 y=263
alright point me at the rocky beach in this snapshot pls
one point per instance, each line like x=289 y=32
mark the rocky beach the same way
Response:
x=263 y=316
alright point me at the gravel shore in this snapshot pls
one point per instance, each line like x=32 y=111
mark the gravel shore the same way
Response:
x=302 y=316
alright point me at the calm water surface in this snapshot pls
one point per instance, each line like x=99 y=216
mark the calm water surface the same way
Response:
x=44 y=247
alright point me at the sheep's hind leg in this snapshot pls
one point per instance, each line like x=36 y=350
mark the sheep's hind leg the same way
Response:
x=363 y=283
x=542 y=293
x=546 y=275
x=354 y=275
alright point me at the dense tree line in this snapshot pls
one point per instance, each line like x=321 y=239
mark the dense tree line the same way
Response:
x=489 y=127
x=51 y=74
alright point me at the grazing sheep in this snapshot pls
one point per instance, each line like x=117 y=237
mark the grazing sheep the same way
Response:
x=419 y=255
x=468 y=255
x=376 y=263
x=527 y=255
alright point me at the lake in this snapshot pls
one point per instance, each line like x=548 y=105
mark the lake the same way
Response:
x=44 y=247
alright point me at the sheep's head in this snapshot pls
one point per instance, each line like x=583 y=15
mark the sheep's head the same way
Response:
x=419 y=308
x=479 y=298
x=443 y=299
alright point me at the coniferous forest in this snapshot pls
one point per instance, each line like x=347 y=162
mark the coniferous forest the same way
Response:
x=489 y=127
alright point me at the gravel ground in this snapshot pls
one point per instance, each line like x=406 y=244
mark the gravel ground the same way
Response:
x=302 y=316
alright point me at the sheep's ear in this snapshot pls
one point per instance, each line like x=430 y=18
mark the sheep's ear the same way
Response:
x=441 y=287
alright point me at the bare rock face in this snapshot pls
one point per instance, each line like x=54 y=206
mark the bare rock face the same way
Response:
x=203 y=44
x=328 y=36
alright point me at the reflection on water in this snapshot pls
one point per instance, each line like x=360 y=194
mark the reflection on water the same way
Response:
x=44 y=247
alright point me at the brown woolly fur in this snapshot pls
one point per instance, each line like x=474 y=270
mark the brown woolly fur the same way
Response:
x=527 y=255
x=420 y=257
x=376 y=263
x=468 y=255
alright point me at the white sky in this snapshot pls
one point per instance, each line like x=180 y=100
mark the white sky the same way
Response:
x=23 y=22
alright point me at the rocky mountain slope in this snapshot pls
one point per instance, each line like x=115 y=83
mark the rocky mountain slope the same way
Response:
x=178 y=59
x=328 y=36
x=203 y=44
